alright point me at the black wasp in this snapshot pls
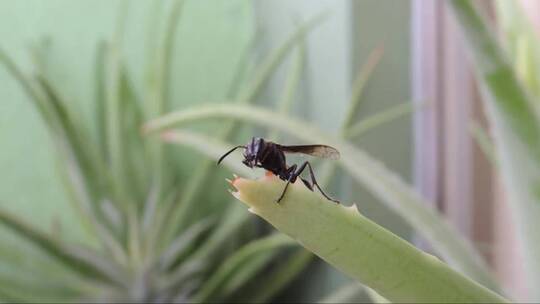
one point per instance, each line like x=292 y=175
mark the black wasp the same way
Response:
x=271 y=156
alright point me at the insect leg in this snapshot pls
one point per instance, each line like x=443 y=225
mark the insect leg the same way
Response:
x=314 y=181
x=291 y=177
x=308 y=185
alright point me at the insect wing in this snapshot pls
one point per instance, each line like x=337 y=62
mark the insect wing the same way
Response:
x=322 y=151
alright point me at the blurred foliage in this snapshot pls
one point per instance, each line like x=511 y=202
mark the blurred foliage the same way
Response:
x=157 y=220
x=156 y=232
x=509 y=74
x=151 y=244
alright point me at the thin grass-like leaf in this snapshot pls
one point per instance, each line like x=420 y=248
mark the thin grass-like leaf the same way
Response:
x=278 y=277
x=100 y=97
x=183 y=242
x=379 y=119
x=29 y=88
x=115 y=140
x=134 y=241
x=136 y=159
x=291 y=84
x=85 y=154
x=379 y=180
x=157 y=98
x=26 y=292
x=364 y=74
x=182 y=275
x=85 y=264
x=234 y=218
x=483 y=141
x=270 y=63
x=226 y=278
x=78 y=162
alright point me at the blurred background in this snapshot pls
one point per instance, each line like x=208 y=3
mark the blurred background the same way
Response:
x=96 y=210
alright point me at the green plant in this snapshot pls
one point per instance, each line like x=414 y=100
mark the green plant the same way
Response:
x=150 y=247
x=510 y=80
x=358 y=247
x=148 y=243
x=515 y=118
x=379 y=180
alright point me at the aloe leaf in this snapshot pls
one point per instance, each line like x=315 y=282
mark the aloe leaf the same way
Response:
x=240 y=266
x=80 y=261
x=515 y=118
x=351 y=292
x=357 y=246
x=380 y=181
x=375 y=297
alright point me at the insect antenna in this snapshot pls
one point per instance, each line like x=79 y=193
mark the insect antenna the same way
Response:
x=229 y=152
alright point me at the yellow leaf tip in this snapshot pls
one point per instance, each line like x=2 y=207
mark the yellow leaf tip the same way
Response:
x=234 y=193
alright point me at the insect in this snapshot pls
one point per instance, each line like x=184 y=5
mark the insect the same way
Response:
x=271 y=156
